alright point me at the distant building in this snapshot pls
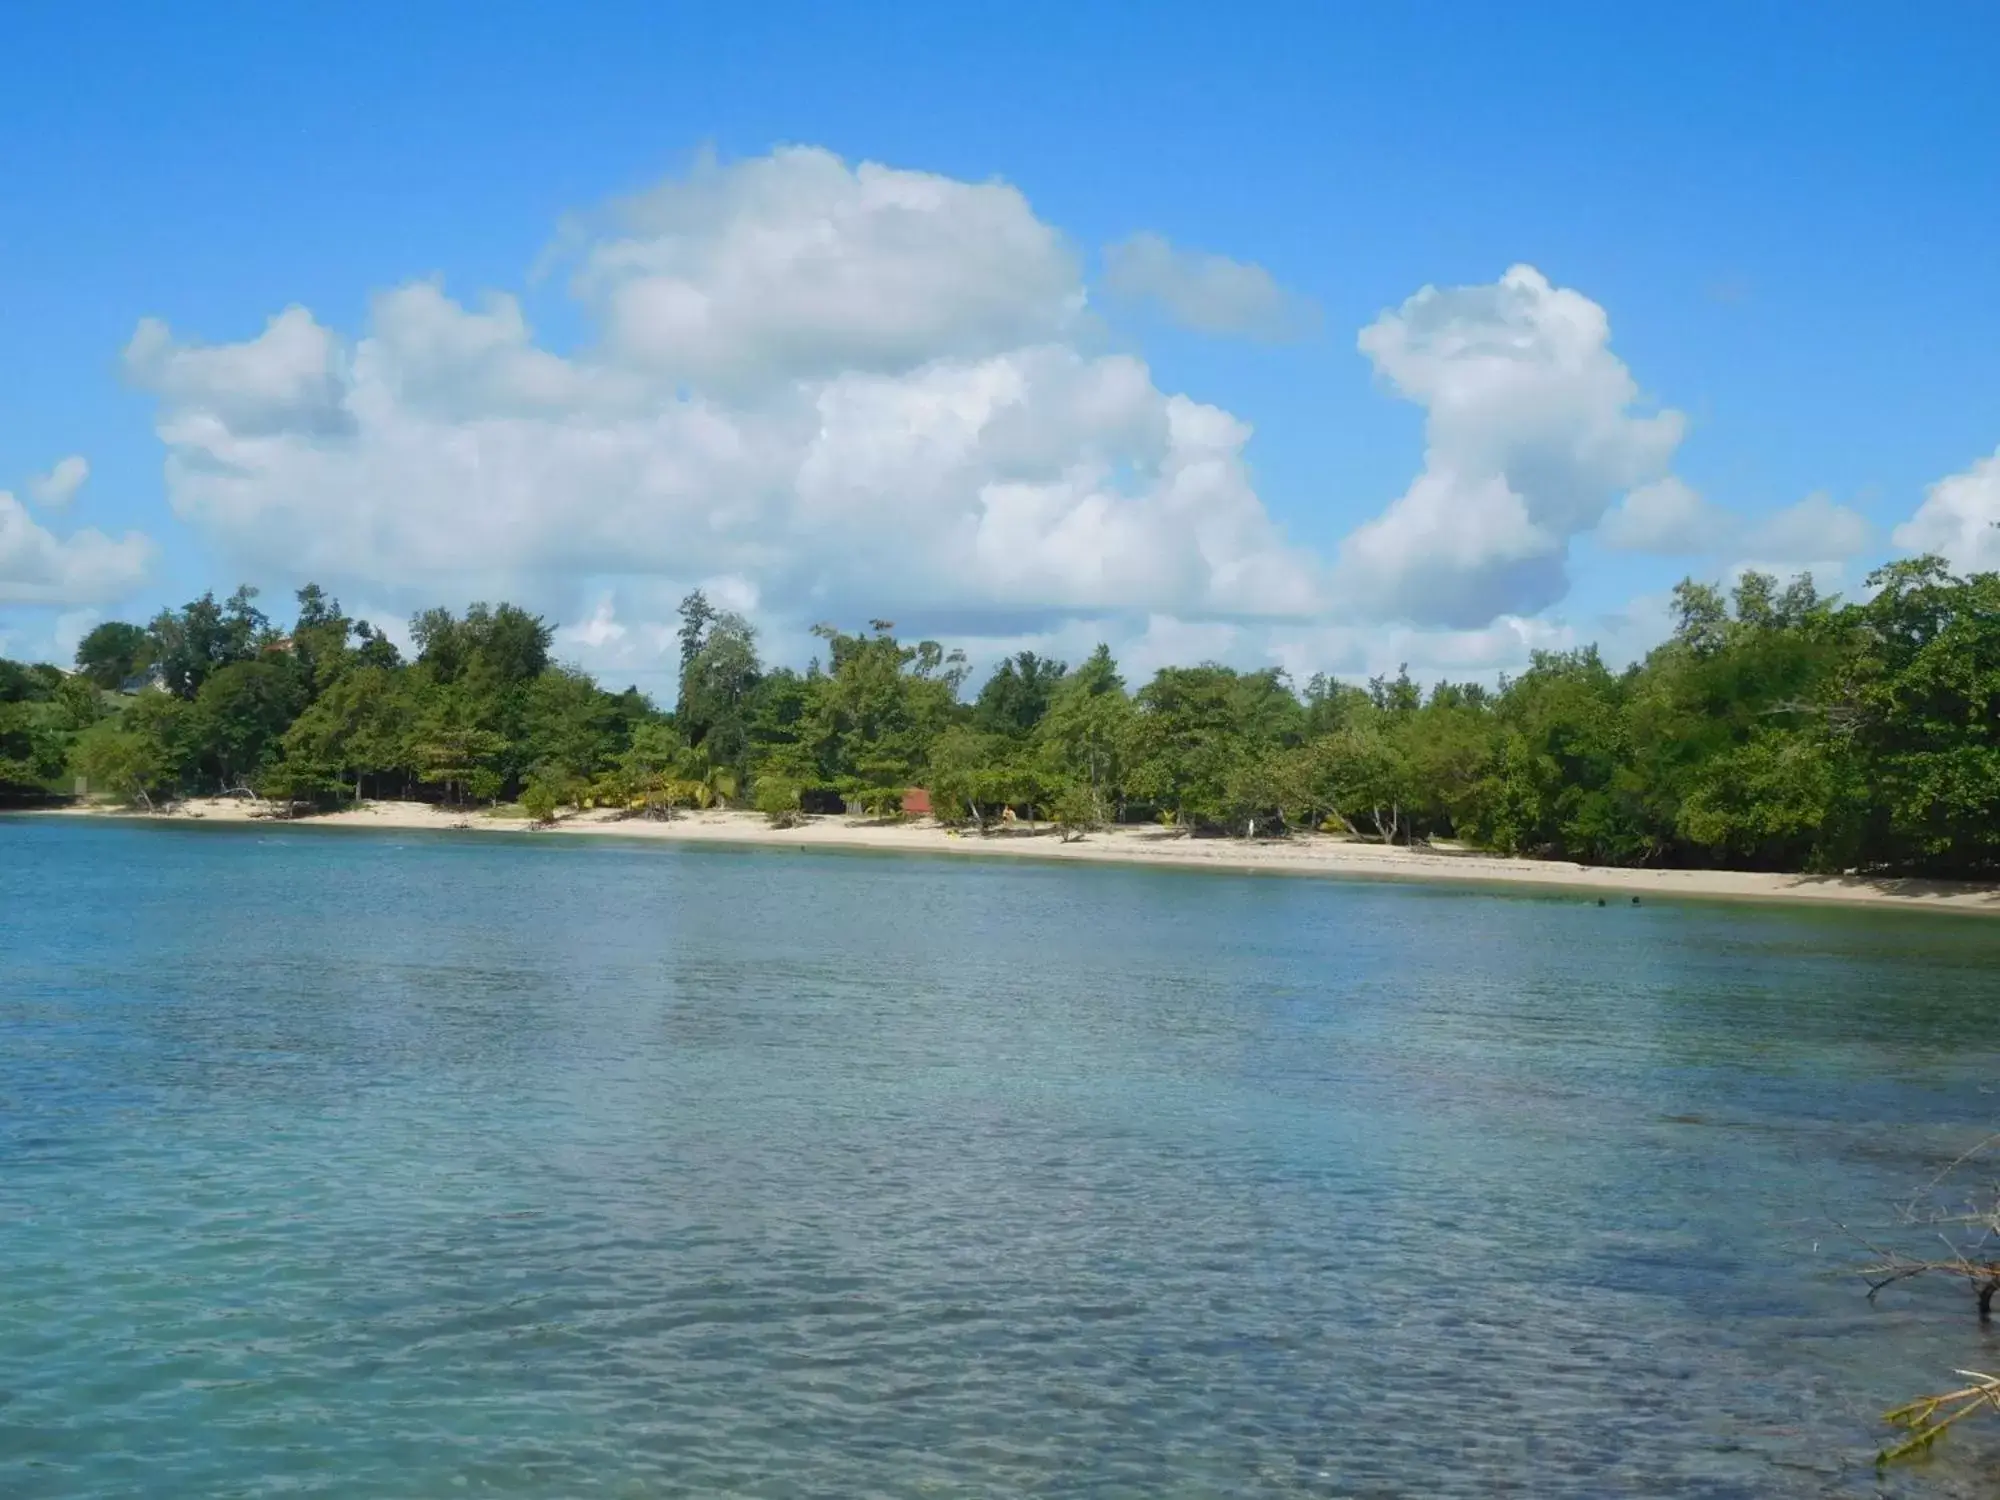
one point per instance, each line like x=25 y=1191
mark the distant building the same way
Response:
x=917 y=802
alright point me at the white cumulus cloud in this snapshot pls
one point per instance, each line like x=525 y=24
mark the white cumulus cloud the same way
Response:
x=1533 y=426
x=1960 y=518
x=1431 y=654
x=795 y=264
x=852 y=389
x=1208 y=293
x=1668 y=518
x=829 y=391
x=58 y=487
x=1815 y=530
x=286 y=380
x=86 y=567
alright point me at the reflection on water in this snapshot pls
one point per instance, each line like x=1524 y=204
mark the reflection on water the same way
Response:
x=378 y=1167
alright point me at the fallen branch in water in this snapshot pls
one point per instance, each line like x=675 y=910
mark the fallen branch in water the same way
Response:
x=1970 y=1238
x=1921 y=1420
x=1982 y=1275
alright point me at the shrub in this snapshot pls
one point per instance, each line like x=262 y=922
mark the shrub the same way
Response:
x=778 y=800
x=540 y=799
x=1077 y=810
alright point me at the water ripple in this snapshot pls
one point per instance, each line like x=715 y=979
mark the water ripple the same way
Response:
x=343 y=1166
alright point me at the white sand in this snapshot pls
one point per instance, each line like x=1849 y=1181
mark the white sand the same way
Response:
x=1302 y=855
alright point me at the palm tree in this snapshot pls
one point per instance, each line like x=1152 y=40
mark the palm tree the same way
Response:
x=708 y=782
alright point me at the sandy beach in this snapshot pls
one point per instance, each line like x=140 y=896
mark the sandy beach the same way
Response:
x=1316 y=854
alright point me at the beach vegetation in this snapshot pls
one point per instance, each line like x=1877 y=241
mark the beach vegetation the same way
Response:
x=1775 y=728
x=541 y=799
x=779 y=801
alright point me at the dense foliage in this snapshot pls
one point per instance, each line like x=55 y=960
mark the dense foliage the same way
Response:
x=1774 y=730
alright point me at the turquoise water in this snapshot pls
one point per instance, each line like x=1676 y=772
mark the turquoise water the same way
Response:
x=345 y=1164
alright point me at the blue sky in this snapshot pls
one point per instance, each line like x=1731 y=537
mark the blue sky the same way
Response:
x=1786 y=214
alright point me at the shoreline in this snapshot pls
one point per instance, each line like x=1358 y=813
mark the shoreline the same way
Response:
x=1322 y=855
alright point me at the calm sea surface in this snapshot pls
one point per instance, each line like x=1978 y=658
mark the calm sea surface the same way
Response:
x=358 y=1165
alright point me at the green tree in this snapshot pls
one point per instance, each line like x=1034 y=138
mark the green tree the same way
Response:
x=454 y=753
x=879 y=708
x=190 y=644
x=697 y=614
x=1920 y=704
x=36 y=737
x=1712 y=704
x=1017 y=695
x=138 y=756
x=660 y=773
x=789 y=731
x=1194 y=728
x=359 y=726
x=1451 y=746
x=1562 y=784
x=240 y=718
x=374 y=649
x=1359 y=776
x=718 y=681
x=320 y=639
x=1330 y=705
x=1086 y=735
x=973 y=776
x=475 y=671
x=571 y=726
x=20 y=719
x=490 y=648
x=114 y=654
x=1764 y=802
x=293 y=784
x=120 y=763
x=1774 y=729
x=720 y=777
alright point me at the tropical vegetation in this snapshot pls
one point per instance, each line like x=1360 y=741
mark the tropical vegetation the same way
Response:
x=1775 y=729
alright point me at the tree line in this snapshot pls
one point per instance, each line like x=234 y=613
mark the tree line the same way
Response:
x=1775 y=729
